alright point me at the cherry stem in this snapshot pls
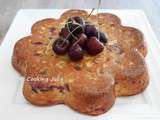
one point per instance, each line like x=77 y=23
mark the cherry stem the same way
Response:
x=99 y=3
x=98 y=6
x=91 y=12
x=71 y=32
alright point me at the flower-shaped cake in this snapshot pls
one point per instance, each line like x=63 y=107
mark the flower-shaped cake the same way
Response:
x=90 y=85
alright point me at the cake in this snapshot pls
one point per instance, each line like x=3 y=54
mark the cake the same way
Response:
x=92 y=84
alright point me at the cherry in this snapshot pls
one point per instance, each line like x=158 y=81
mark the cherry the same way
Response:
x=38 y=85
x=94 y=46
x=75 y=52
x=65 y=34
x=74 y=27
x=78 y=35
x=79 y=20
x=60 y=46
x=90 y=30
x=102 y=37
x=82 y=38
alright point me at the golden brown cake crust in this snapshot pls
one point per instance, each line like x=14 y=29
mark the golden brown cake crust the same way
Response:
x=87 y=86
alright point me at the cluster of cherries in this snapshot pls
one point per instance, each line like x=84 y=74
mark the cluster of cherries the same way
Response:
x=78 y=37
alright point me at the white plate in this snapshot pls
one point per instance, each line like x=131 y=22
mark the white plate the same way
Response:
x=145 y=106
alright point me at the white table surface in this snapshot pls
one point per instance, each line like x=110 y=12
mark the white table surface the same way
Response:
x=9 y=9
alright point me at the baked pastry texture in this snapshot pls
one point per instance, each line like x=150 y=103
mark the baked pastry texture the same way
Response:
x=91 y=85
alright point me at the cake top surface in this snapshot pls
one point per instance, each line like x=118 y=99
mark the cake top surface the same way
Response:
x=124 y=44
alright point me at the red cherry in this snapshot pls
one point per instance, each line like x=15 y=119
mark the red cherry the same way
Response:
x=60 y=46
x=82 y=38
x=79 y=20
x=90 y=30
x=75 y=52
x=102 y=37
x=94 y=46
x=65 y=34
x=74 y=26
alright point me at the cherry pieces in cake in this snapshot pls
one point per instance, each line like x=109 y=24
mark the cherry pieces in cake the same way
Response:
x=78 y=36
